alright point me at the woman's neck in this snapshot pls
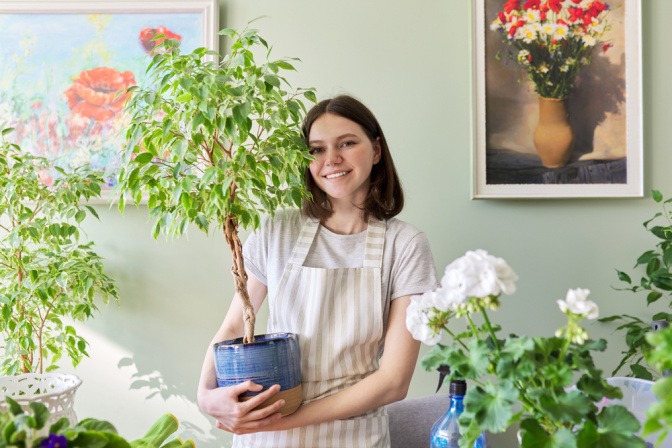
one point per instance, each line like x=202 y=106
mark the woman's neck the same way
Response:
x=346 y=222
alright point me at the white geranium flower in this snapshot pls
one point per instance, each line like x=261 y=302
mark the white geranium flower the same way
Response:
x=478 y=274
x=444 y=299
x=505 y=276
x=417 y=322
x=577 y=303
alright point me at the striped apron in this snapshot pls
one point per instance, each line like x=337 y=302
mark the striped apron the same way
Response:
x=338 y=315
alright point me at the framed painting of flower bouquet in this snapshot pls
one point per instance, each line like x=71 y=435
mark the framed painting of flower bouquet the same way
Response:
x=66 y=64
x=557 y=99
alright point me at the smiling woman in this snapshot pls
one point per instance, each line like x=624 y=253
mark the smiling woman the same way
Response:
x=338 y=274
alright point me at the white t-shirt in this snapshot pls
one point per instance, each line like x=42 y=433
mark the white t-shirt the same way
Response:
x=408 y=265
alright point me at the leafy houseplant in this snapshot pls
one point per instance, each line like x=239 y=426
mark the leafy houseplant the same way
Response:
x=21 y=428
x=46 y=273
x=656 y=283
x=518 y=378
x=215 y=143
x=553 y=39
x=659 y=415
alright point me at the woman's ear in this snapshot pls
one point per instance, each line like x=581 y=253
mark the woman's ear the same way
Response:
x=377 y=151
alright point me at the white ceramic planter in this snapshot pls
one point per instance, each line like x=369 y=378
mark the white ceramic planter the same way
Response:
x=54 y=390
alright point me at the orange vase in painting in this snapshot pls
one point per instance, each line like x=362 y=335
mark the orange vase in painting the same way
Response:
x=553 y=136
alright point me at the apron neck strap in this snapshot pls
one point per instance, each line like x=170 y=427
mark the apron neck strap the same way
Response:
x=373 y=250
x=375 y=243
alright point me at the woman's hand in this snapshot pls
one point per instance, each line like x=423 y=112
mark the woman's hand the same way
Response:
x=240 y=417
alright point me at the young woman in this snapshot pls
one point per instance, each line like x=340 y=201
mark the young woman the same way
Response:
x=339 y=273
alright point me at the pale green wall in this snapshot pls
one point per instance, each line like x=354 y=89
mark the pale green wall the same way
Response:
x=411 y=64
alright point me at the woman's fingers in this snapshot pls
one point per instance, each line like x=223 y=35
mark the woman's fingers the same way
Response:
x=244 y=418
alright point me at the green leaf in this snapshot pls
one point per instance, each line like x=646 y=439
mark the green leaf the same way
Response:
x=656 y=195
x=570 y=407
x=492 y=406
x=14 y=407
x=166 y=425
x=622 y=276
x=617 y=419
x=310 y=96
x=143 y=158
x=40 y=413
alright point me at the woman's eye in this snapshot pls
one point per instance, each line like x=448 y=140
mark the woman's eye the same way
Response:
x=347 y=144
x=315 y=150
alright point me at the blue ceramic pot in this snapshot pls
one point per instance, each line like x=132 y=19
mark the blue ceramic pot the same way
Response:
x=271 y=359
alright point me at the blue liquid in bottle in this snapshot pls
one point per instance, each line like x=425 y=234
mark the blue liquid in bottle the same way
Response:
x=446 y=432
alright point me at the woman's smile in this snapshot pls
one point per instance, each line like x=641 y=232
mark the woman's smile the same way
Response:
x=337 y=175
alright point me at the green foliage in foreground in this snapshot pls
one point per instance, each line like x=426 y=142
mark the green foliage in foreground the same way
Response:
x=25 y=429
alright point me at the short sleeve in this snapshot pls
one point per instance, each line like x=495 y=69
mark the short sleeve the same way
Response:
x=413 y=270
x=255 y=253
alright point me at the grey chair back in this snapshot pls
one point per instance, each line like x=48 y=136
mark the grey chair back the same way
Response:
x=411 y=420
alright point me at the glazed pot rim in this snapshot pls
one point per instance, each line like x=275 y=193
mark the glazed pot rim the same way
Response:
x=258 y=340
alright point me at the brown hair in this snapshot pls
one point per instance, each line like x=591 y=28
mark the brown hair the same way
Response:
x=386 y=197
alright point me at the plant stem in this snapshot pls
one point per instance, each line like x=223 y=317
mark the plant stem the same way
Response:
x=239 y=274
x=452 y=335
x=474 y=330
x=489 y=326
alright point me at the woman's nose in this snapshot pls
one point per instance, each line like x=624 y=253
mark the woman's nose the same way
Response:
x=332 y=157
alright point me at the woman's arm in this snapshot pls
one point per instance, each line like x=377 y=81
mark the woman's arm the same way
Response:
x=222 y=403
x=388 y=384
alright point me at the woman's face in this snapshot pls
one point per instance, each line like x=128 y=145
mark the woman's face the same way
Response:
x=344 y=157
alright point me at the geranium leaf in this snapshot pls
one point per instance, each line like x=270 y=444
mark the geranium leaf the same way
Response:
x=566 y=408
x=617 y=419
x=492 y=406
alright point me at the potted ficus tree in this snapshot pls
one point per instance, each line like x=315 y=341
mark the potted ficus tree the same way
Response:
x=216 y=142
x=48 y=275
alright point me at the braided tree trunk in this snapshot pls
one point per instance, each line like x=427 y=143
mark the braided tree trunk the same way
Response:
x=239 y=275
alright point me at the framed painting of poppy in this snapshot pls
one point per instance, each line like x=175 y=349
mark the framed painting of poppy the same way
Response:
x=65 y=65
x=557 y=99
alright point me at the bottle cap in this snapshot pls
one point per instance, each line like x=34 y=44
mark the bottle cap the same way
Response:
x=458 y=387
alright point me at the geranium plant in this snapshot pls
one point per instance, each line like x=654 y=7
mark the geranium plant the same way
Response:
x=216 y=143
x=553 y=39
x=550 y=385
x=47 y=273
x=654 y=285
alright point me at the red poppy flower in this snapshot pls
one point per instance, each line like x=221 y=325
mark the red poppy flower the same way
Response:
x=96 y=93
x=555 y=5
x=607 y=46
x=575 y=14
x=511 y=5
x=147 y=35
x=595 y=9
x=532 y=4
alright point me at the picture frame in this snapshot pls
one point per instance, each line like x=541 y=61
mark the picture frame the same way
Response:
x=604 y=110
x=66 y=62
